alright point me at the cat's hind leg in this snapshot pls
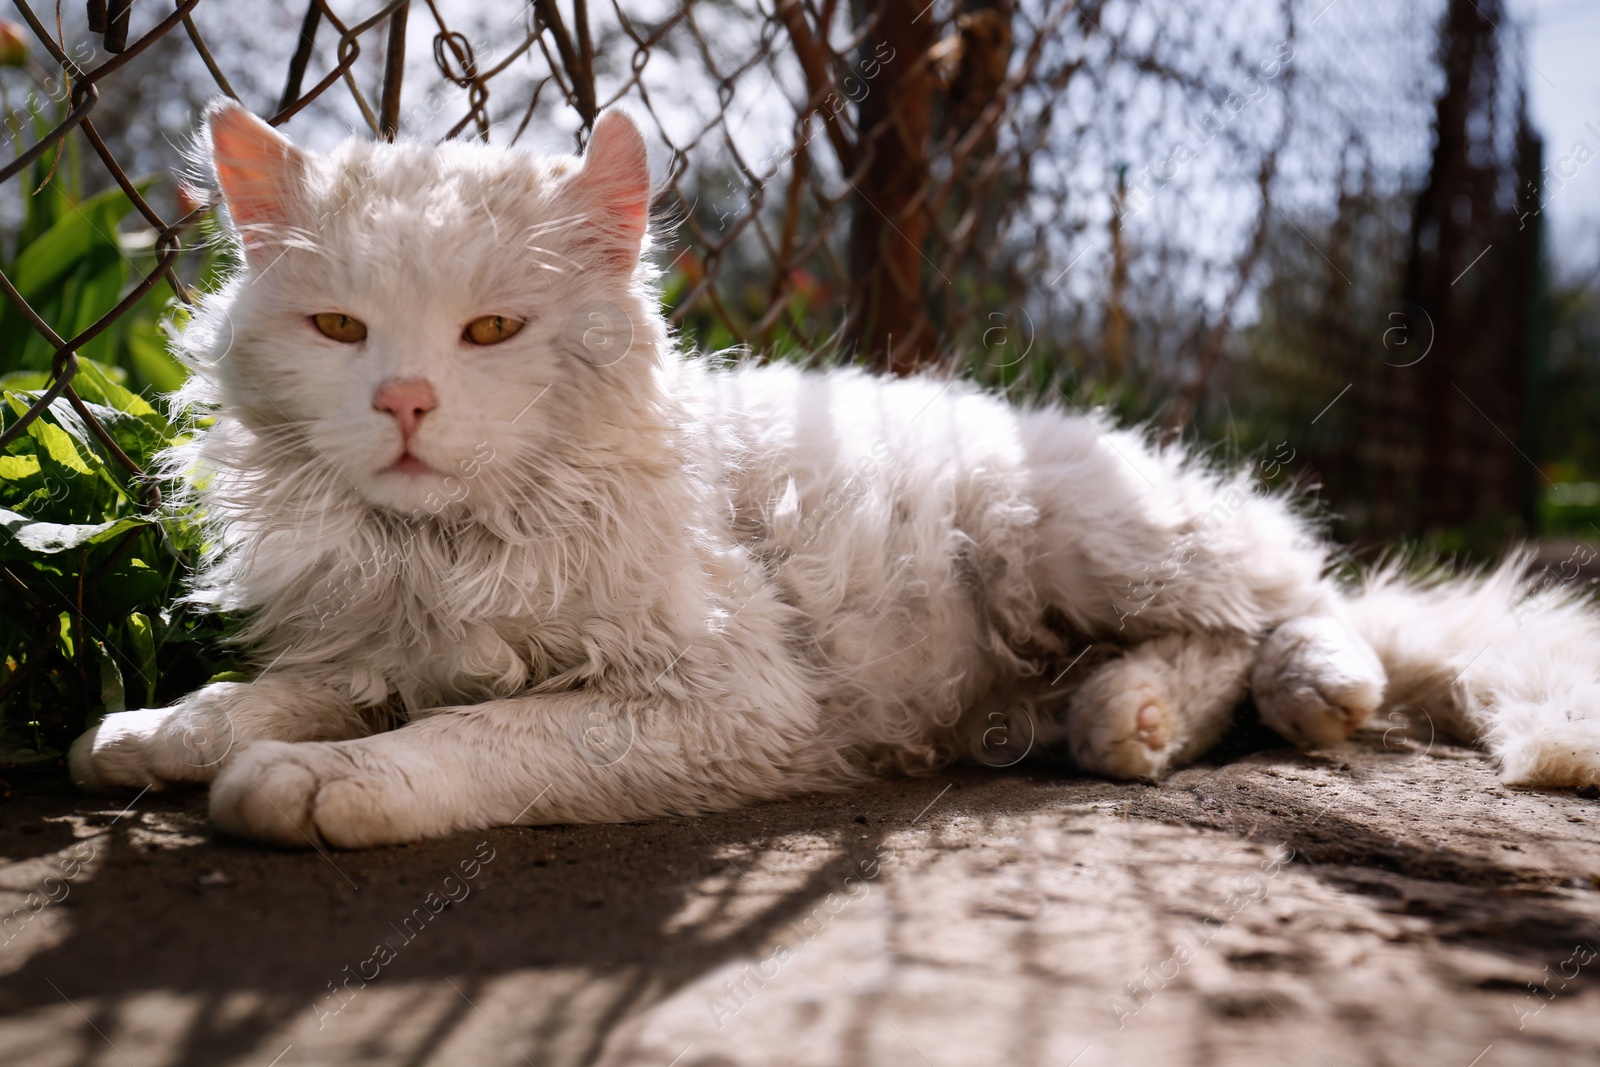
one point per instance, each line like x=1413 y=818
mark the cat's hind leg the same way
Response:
x=1316 y=680
x=1159 y=705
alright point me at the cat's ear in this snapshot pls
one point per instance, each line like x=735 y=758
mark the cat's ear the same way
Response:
x=613 y=190
x=258 y=170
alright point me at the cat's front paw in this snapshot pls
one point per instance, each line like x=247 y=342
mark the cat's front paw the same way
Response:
x=151 y=748
x=310 y=793
x=1123 y=723
x=1315 y=681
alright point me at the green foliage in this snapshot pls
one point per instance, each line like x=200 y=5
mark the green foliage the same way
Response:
x=88 y=622
x=1568 y=505
x=1569 y=432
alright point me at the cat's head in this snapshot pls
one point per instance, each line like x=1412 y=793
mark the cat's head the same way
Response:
x=421 y=325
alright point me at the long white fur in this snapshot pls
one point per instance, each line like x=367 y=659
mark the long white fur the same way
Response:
x=644 y=583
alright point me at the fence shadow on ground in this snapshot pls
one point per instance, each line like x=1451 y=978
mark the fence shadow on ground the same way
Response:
x=608 y=920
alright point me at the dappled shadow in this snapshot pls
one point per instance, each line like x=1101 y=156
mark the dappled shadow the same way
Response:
x=215 y=917
x=1401 y=855
x=29 y=828
x=598 y=923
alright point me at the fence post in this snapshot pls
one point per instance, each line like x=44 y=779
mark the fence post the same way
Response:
x=889 y=218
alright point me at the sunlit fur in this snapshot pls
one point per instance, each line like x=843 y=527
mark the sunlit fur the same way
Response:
x=643 y=583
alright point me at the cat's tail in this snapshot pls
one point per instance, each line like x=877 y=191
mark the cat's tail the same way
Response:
x=1508 y=656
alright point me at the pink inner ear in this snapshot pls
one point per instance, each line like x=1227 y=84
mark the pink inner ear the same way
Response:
x=255 y=167
x=615 y=180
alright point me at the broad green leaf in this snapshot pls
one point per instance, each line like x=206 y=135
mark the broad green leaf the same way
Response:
x=94 y=383
x=50 y=537
x=60 y=248
x=142 y=643
x=131 y=585
x=141 y=437
x=100 y=276
x=63 y=502
x=113 y=694
x=17 y=468
x=59 y=446
x=66 y=454
x=25 y=381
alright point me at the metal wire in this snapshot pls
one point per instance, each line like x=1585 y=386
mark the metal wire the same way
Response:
x=802 y=241
x=881 y=223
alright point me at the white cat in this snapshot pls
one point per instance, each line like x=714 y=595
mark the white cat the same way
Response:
x=461 y=479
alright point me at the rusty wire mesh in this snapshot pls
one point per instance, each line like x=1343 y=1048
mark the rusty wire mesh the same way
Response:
x=825 y=289
x=890 y=157
x=898 y=200
x=894 y=182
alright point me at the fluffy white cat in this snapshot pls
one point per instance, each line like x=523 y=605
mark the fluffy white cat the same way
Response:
x=461 y=480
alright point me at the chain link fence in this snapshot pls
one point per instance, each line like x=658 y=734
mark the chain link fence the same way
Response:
x=1054 y=196
x=853 y=232
x=829 y=179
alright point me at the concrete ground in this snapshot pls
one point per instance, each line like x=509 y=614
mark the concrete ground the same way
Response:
x=1387 y=903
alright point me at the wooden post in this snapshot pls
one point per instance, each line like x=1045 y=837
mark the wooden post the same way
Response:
x=889 y=220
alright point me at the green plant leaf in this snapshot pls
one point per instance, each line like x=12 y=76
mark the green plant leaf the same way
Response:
x=50 y=537
x=142 y=643
x=100 y=278
x=113 y=693
x=78 y=478
x=93 y=382
x=140 y=436
x=18 y=468
x=25 y=381
x=147 y=352
x=131 y=585
x=59 y=446
x=80 y=228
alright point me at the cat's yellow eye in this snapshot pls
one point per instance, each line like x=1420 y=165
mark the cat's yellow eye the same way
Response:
x=341 y=328
x=490 y=330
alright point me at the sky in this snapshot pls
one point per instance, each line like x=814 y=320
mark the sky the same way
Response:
x=1562 y=45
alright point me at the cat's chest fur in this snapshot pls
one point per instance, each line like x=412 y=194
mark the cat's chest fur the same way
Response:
x=438 y=612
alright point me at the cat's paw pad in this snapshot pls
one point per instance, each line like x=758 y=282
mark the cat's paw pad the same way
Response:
x=1316 y=681
x=151 y=748
x=306 y=795
x=1122 y=723
x=1152 y=725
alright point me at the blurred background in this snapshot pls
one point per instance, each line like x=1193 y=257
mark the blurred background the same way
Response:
x=1355 y=245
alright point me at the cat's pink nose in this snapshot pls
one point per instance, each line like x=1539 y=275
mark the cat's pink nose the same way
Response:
x=407 y=399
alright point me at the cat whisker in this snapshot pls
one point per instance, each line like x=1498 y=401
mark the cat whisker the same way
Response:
x=556 y=225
